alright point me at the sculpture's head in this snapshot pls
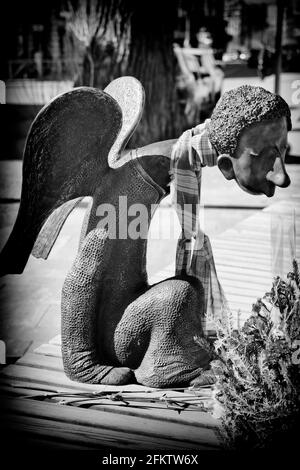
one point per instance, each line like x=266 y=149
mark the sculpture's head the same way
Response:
x=249 y=129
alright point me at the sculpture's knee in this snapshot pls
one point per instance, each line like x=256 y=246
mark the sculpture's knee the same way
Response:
x=160 y=309
x=180 y=298
x=132 y=335
x=176 y=308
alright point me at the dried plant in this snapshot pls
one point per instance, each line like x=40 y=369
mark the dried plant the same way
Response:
x=257 y=369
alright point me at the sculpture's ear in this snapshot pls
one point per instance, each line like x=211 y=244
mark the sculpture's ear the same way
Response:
x=225 y=166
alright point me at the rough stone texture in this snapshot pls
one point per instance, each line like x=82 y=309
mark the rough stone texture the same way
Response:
x=113 y=323
x=65 y=157
x=150 y=330
x=240 y=108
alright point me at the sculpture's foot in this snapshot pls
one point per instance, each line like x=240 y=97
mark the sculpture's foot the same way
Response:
x=119 y=376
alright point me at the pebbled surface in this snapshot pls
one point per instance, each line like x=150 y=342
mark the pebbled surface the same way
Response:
x=240 y=108
x=159 y=327
x=112 y=322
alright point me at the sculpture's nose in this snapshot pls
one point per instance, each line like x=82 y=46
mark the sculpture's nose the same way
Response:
x=278 y=175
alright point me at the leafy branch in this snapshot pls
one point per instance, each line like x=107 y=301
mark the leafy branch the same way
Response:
x=257 y=369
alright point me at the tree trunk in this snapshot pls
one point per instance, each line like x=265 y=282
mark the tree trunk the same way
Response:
x=152 y=61
x=91 y=67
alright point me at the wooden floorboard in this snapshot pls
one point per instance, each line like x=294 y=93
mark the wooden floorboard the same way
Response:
x=96 y=424
x=141 y=424
x=146 y=418
x=243 y=255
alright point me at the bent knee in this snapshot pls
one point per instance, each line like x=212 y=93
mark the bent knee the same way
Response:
x=183 y=290
x=176 y=298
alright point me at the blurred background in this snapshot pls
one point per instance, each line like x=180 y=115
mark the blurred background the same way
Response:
x=186 y=53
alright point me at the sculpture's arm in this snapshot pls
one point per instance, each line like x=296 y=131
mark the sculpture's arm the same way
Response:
x=162 y=148
x=155 y=159
x=80 y=298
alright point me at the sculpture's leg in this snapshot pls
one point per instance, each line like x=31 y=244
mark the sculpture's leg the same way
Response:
x=80 y=297
x=156 y=335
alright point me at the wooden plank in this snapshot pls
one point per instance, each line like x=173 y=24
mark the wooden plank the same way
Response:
x=237 y=285
x=255 y=229
x=50 y=380
x=241 y=238
x=99 y=424
x=254 y=237
x=69 y=435
x=56 y=340
x=58 y=379
x=243 y=301
x=239 y=293
x=264 y=219
x=233 y=275
x=137 y=403
x=51 y=363
x=244 y=254
x=55 y=364
x=138 y=408
x=239 y=246
x=53 y=379
x=186 y=395
x=242 y=271
x=16 y=347
x=48 y=350
x=242 y=261
x=246 y=275
x=42 y=376
x=28 y=432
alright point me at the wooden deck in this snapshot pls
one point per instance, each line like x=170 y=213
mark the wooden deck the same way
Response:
x=247 y=257
x=40 y=405
x=128 y=417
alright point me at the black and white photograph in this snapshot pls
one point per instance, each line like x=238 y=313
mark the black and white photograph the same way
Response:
x=149 y=230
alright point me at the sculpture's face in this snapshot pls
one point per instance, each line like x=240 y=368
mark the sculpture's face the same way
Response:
x=258 y=166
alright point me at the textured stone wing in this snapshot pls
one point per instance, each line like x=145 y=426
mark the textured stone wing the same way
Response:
x=65 y=158
x=129 y=94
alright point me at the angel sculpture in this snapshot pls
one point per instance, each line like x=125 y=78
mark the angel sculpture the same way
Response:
x=117 y=329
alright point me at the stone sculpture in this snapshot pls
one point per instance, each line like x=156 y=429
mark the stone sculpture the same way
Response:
x=115 y=327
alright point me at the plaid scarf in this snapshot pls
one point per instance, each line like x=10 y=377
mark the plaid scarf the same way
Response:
x=194 y=256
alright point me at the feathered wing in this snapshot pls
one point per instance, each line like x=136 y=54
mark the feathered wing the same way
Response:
x=65 y=158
